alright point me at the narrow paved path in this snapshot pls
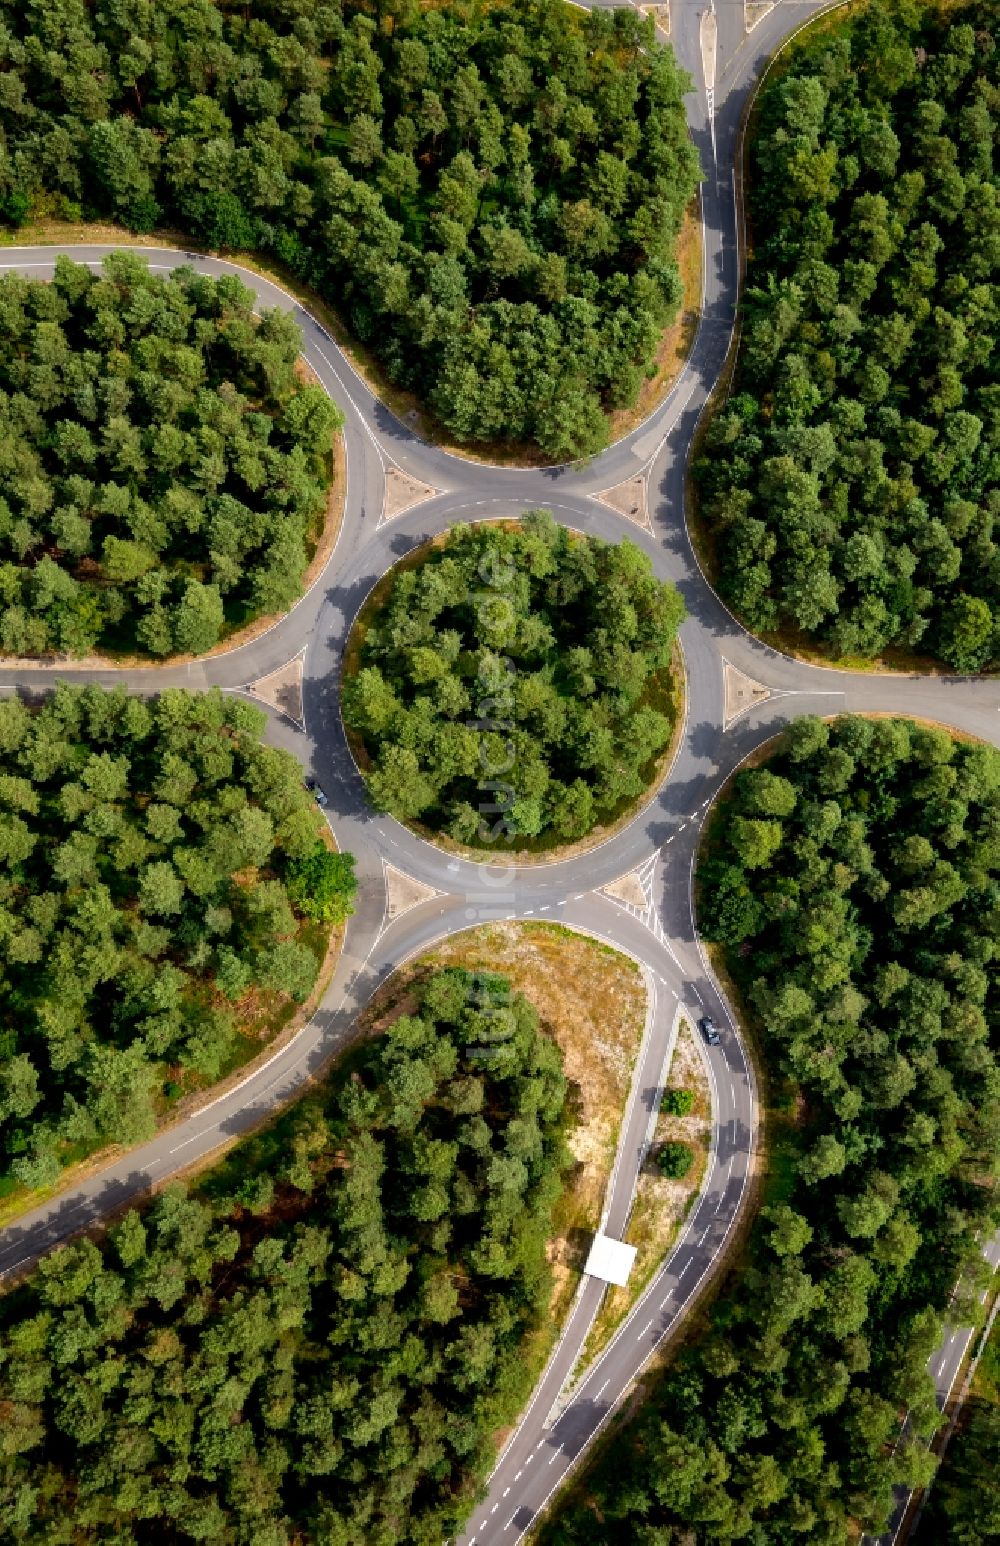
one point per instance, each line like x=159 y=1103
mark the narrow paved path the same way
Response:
x=660 y=842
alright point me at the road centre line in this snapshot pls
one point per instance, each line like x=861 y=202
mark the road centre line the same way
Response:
x=193 y=1139
x=392 y=842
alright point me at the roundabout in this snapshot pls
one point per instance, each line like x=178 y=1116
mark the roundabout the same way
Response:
x=740 y=693
x=512 y=691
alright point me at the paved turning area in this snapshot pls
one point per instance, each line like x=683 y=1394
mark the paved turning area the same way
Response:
x=385 y=458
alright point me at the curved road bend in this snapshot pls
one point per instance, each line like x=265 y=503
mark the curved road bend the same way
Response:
x=661 y=839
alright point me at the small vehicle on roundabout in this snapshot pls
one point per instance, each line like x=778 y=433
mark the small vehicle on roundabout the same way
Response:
x=317 y=791
x=709 y=1030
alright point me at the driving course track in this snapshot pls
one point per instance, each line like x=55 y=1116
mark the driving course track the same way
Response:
x=660 y=842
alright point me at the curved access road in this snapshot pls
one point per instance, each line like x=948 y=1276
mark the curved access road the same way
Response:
x=725 y=63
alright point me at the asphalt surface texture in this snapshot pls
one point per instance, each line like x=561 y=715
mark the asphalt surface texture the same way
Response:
x=946 y=1365
x=725 y=63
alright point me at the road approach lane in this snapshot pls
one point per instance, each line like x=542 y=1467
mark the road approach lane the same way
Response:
x=664 y=940
x=945 y=1366
x=547 y=1444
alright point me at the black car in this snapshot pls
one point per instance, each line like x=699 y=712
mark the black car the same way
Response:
x=317 y=791
x=709 y=1030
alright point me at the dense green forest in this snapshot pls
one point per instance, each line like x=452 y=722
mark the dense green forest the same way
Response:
x=162 y=469
x=963 y=1509
x=490 y=194
x=321 y=1342
x=150 y=857
x=851 y=485
x=854 y=884
x=511 y=686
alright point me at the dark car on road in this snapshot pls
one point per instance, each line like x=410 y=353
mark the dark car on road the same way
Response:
x=709 y=1030
x=317 y=791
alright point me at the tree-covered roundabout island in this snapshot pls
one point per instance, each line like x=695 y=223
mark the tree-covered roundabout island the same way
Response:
x=193 y=1377
x=515 y=686
x=165 y=468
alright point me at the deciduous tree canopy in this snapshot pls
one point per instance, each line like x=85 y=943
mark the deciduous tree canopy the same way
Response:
x=853 y=482
x=490 y=194
x=511 y=686
x=162 y=470
x=321 y=1343
x=144 y=849
x=864 y=934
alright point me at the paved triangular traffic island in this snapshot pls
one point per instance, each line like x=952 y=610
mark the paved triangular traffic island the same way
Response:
x=404 y=891
x=629 y=499
x=755 y=11
x=628 y=889
x=742 y=693
x=402 y=492
x=282 y=689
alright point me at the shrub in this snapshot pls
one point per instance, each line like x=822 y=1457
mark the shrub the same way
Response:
x=675 y=1159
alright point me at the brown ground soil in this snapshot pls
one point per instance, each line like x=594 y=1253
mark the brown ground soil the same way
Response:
x=675 y=343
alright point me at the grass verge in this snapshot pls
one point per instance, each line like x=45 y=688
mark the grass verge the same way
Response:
x=661 y=1205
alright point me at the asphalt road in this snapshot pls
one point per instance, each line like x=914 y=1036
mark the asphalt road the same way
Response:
x=660 y=841
x=945 y=1366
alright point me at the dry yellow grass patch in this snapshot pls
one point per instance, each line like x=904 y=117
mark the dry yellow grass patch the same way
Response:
x=661 y=1205
x=592 y=1001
